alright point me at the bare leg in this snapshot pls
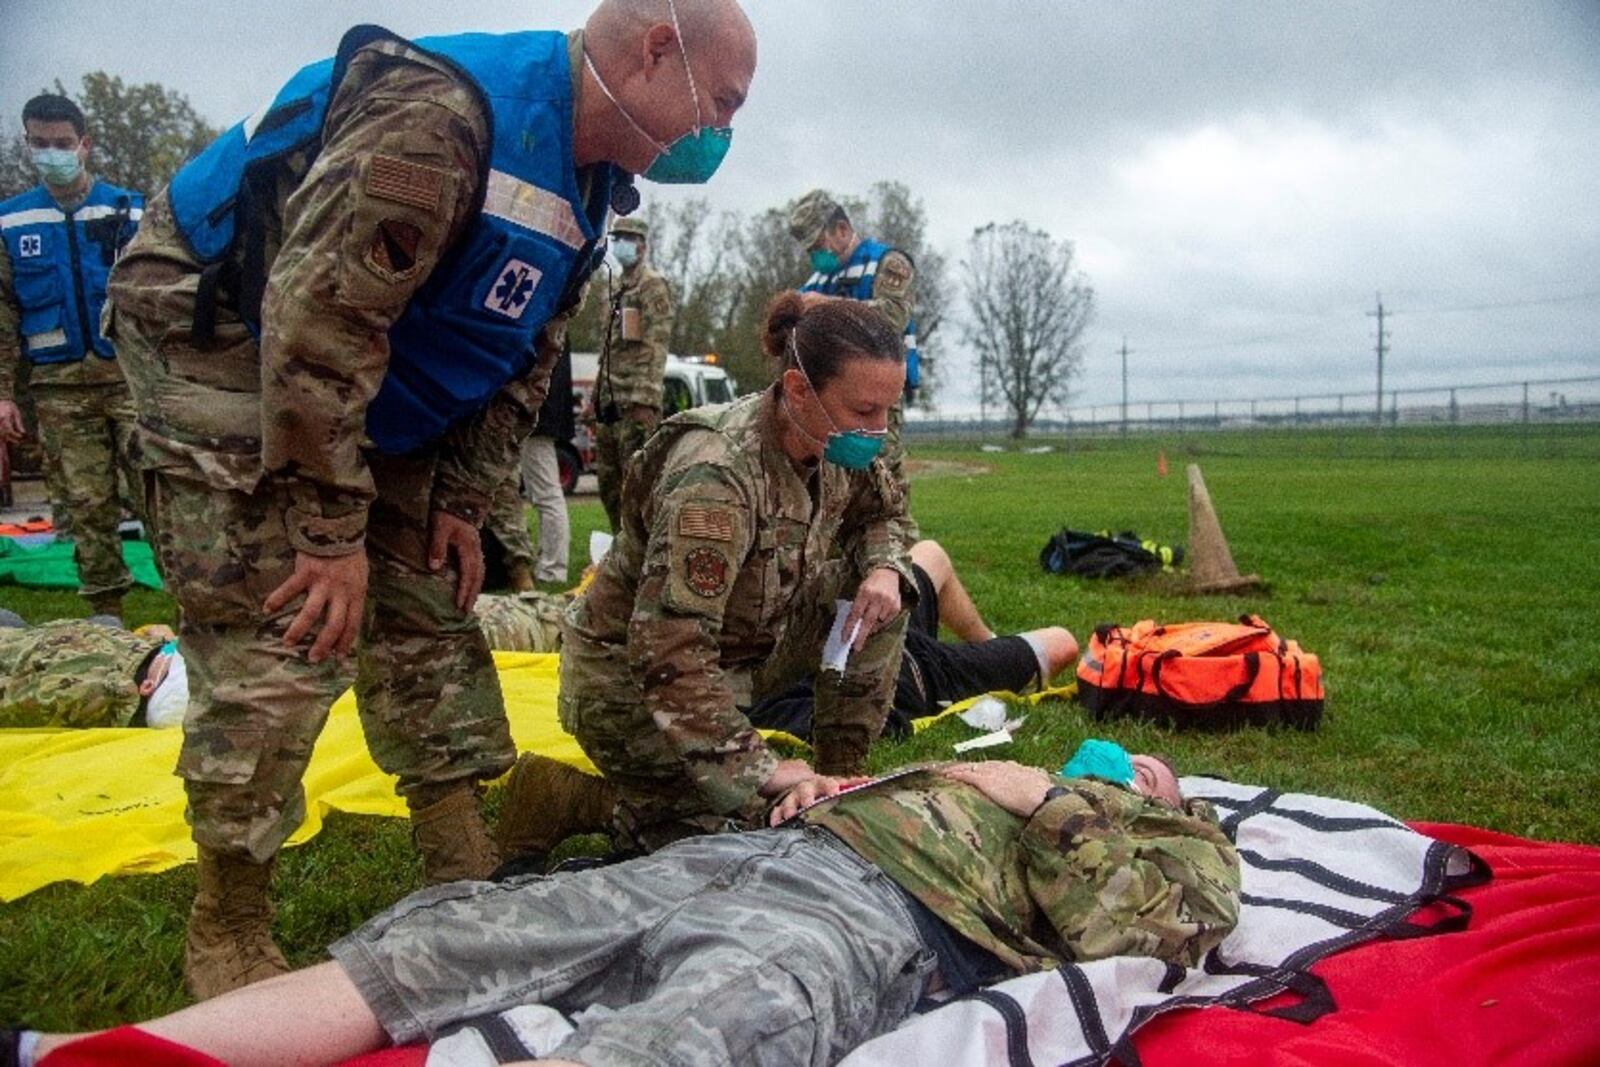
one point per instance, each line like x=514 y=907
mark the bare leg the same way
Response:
x=1057 y=649
x=957 y=612
x=307 y=1017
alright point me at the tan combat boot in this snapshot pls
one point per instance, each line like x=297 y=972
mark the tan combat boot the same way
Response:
x=106 y=604
x=548 y=801
x=230 y=927
x=452 y=836
x=520 y=578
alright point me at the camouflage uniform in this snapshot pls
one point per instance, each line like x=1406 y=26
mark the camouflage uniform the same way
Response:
x=892 y=294
x=508 y=521
x=719 y=589
x=633 y=361
x=523 y=622
x=1100 y=871
x=792 y=946
x=71 y=673
x=255 y=452
x=86 y=429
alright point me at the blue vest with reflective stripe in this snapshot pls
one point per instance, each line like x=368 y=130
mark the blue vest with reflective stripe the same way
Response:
x=855 y=279
x=469 y=328
x=60 y=262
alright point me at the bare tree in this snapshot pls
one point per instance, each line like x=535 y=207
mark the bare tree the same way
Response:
x=1029 y=309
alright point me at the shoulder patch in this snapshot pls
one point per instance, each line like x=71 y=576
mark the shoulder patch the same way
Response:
x=404 y=182
x=705 y=572
x=895 y=273
x=705 y=523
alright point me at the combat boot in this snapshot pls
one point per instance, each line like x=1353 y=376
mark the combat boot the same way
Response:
x=451 y=834
x=107 y=604
x=546 y=802
x=230 y=927
x=520 y=578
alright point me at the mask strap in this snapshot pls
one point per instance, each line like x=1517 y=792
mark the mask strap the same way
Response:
x=657 y=145
x=694 y=93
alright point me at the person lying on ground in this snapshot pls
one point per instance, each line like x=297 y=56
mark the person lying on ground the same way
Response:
x=88 y=673
x=547 y=801
x=779 y=946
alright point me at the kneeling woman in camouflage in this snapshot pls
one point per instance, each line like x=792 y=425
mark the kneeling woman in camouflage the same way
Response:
x=741 y=526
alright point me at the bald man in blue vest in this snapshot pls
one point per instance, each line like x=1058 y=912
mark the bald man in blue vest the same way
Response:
x=338 y=323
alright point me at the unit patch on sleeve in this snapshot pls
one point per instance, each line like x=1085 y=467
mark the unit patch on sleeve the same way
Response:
x=705 y=571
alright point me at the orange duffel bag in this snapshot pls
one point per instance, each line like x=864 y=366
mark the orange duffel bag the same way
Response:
x=1215 y=675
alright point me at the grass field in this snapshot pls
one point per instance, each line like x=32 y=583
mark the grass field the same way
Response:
x=1449 y=580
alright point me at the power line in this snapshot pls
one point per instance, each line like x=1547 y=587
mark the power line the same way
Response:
x=1574 y=298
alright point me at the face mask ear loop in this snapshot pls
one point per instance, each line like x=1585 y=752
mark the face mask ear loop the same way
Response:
x=589 y=63
x=694 y=92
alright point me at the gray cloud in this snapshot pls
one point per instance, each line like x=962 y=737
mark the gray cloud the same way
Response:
x=1240 y=178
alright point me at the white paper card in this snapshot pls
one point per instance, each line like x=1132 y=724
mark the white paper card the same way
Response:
x=599 y=545
x=836 y=650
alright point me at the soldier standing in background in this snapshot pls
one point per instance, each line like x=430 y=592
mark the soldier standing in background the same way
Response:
x=59 y=241
x=410 y=225
x=846 y=263
x=540 y=485
x=625 y=403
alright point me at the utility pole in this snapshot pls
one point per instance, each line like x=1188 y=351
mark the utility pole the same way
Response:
x=1124 y=385
x=1382 y=348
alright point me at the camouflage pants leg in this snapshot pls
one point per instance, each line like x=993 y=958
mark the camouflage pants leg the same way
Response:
x=852 y=707
x=894 y=458
x=255 y=707
x=522 y=622
x=782 y=947
x=658 y=801
x=425 y=683
x=614 y=444
x=86 y=432
x=508 y=521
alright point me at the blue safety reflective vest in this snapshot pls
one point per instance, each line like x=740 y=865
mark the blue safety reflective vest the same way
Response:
x=60 y=261
x=469 y=328
x=854 y=279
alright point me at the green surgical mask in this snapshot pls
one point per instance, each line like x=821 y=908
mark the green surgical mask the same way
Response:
x=824 y=261
x=1106 y=760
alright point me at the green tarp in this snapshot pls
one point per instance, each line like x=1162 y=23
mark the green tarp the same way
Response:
x=51 y=567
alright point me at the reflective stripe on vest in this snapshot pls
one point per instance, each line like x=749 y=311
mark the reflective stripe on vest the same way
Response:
x=60 y=262
x=469 y=328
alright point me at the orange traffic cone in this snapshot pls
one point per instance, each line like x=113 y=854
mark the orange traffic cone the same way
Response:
x=1161 y=463
x=1211 y=566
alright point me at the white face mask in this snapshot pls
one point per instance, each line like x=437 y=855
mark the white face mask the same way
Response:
x=170 y=702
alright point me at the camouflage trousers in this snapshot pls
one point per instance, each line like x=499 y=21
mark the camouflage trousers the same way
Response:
x=601 y=704
x=894 y=458
x=508 y=513
x=522 y=622
x=614 y=444
x=781 y=947
x=428 y=694
x=87 y=432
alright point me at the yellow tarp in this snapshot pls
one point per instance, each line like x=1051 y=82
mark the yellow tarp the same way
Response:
x=76 y=805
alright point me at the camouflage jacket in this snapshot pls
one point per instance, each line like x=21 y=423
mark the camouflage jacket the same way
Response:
x=1098 y=872
x=522 y=622
x=343 y=259
x=71 y=673
x=719 y=533
x=632 y=367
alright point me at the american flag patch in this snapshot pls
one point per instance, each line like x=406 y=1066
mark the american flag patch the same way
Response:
x=708 y=524
x=406 y=183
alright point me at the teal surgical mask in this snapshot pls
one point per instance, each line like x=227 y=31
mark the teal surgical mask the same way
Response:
x=854 y=450
x=824 y=260
x=693 y=158
x=1100 y=759
x=57 y=166
x=626 y=251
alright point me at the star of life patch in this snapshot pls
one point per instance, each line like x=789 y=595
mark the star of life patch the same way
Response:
x=512 y=288
x=412 y=184
x=707 y=524
x=705 y=572
x=30 y=245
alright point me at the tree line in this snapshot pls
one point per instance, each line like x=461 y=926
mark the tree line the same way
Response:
x=1026 y=303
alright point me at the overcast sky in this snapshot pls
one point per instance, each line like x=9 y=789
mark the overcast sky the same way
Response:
x=1241 y=179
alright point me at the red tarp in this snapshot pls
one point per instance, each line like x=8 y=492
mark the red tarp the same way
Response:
x=1521 y=985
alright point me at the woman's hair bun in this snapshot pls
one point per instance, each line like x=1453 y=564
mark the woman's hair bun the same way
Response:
x=783 y=315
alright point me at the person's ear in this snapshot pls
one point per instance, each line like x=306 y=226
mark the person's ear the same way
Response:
x=660 y=44
x=146 y=687
x=795 y=386
x=86 y=143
